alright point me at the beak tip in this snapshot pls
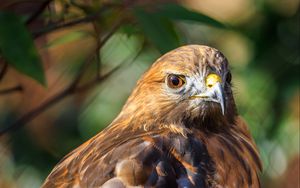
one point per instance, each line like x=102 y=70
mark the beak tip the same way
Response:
x=220 y=96
x=223 y=109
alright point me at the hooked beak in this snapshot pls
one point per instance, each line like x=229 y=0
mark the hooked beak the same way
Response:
x=213 y=94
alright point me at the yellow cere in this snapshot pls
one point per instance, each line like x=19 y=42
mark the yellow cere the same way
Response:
x=212 y=79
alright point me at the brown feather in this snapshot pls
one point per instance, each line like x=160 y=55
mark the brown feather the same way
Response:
x=161 y=139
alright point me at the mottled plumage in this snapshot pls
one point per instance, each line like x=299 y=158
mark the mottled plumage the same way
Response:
x=179 y=128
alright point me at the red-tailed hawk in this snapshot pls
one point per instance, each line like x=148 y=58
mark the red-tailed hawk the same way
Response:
x=178 y=128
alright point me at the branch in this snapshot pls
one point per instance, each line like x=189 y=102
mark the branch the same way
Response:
x=11 y=90
x=38 y=12
x=3 y=70
x=51 y=27
x=98 y=80
x=98 y=59
x=77 y=79
x=63 y=94
x=50 y=102
x=71 y=89
x=34 y=113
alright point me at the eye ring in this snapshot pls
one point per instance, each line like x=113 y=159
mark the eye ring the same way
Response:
x=175 y=81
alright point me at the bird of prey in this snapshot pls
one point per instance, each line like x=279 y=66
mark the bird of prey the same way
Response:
x=178 y=128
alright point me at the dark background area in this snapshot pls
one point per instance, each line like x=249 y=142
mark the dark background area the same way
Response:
x=67 y=67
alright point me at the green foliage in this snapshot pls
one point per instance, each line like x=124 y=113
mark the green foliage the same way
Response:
x=159 y=30
x=158 y=27
x=263 y=51
x=17 y=47
x=69 y=37
x=178 y=12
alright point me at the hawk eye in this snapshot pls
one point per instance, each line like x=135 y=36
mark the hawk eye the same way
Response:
x=175 y=81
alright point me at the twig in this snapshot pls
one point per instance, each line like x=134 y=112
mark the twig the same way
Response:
x=91 y=84
x=71 y=89
x=75 y=82
x=98 y=58
x=11 y=90
x=50 y=102
x=3 y=70
x=38 y=12
x=35 y=112
x=97 y=80
x=98 y=64
x=52 y=27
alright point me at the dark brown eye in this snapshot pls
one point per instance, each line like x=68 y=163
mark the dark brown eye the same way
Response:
x=175 y=81
x=228 y=77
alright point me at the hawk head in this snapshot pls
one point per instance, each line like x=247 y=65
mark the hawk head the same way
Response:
x=189 y=85
x=179 y=128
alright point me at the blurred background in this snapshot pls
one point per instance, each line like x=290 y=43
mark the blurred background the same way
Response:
x=67 y=67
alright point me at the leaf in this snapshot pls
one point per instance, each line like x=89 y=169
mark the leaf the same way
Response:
x=17 y=47
x=67 y=38
x=176 y=11
x=129 y=29
x=159 y=30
